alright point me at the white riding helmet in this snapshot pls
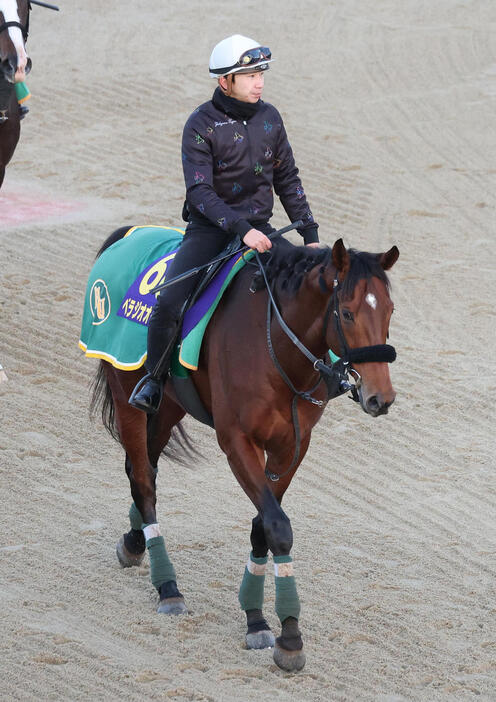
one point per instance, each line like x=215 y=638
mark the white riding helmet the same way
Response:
x=238 y=53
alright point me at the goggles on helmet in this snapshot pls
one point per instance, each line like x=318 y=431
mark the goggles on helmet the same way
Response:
x=252 y=57
x=261 y=53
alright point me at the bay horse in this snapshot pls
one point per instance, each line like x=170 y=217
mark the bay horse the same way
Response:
x=260 y=378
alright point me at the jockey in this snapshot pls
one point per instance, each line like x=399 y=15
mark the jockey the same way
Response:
x=235 y=153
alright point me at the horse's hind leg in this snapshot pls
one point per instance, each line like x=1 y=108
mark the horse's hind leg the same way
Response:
x=133 y=431
x=251 y=592
x=159 y=430
x=131 y=546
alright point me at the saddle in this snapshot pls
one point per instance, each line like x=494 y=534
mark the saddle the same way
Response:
x=233 y=246
x=181 y=381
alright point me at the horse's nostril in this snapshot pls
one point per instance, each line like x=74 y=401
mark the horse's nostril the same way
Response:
x=373 y=403
x=376 y=405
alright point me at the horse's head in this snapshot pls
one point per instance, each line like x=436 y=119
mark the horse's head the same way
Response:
x=14 y=25
x=358 y=321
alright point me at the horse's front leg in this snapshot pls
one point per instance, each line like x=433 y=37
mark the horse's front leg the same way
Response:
x=251 y=592
x=288 y=651
x=247 y=463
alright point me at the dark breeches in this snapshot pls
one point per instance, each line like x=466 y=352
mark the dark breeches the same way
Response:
x=201 y=243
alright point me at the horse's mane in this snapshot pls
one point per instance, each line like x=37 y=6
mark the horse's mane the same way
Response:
x=115 y=236
x=287 y=266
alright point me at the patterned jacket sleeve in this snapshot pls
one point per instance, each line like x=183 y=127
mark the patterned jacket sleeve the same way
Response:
x=288 y=187
x=198 y=176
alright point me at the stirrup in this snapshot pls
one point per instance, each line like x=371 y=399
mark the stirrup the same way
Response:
x=148 y=408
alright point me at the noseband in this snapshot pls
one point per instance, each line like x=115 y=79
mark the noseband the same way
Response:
x=24 y=28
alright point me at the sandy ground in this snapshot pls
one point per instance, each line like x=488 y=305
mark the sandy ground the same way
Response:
x=390 y=109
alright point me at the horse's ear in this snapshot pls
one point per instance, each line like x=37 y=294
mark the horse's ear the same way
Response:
x=388 y=259
x=340 y=257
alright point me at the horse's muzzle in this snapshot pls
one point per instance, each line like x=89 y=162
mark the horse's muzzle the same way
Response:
x=8 y=67
x=377 y=404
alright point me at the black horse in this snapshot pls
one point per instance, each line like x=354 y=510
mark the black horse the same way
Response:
x=14 y=65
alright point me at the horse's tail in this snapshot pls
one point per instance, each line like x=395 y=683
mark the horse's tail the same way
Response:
x=179 y=448
x=101 y=399
x=115 y=236
x=101 y=395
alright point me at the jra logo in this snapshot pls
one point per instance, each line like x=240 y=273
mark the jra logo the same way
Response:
x=99 y=302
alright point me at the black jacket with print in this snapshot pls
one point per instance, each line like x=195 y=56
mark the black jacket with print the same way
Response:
x=231 y=167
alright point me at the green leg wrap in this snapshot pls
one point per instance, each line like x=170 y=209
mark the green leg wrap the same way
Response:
x=22 y=92
x=161 y=569
x=135 y=517
x=251 y=592
x=287 y=600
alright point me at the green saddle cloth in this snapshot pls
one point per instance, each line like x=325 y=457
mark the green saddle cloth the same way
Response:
x=118 y=302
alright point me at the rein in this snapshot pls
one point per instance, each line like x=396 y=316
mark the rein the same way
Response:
x=335 y=376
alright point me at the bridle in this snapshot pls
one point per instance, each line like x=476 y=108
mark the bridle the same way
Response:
x=336 y=374
x=25 y=27
x=378 y=353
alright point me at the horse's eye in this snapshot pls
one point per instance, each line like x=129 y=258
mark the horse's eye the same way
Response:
x=347 y=315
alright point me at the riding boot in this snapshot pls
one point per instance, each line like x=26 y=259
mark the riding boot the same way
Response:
x=147 y=395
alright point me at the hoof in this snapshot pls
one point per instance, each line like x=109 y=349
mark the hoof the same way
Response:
x=260 y=639
x=172 y=605
x=290 y=661
x=126 y=558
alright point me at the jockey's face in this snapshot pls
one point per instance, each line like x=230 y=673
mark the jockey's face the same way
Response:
x=247 y=87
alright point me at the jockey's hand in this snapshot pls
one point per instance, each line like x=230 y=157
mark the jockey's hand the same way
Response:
x=20 y=75
x=257 y=240
x=313 y=245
